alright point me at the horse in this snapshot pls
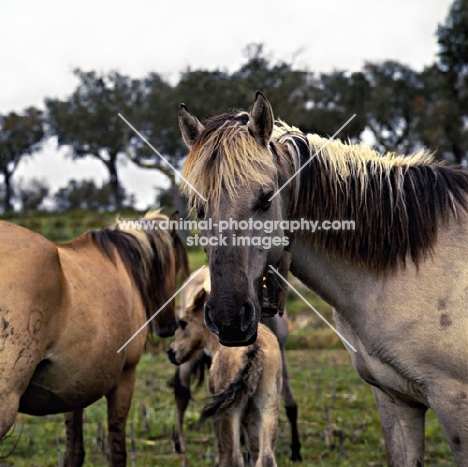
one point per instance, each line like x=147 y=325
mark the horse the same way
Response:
x=245 y=382
x=67 y=309
x=193 y=369
x=398 y=280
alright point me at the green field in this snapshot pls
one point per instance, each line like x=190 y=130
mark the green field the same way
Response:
x=338 y=420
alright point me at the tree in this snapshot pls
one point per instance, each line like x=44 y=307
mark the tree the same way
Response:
x=287 y=88
x=86 y=195
x=88 y=120
x=393 y=106
x=157 y=121
x=32 y=194
x=336 y=96
x=20 y=136
x=451 y=101
x=314 y=104
x=436 y=122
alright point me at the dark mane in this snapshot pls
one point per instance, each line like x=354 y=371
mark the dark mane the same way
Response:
x=398 y=203
x=147 y=257
x=181 y=257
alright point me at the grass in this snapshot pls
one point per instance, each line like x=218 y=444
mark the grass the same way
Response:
x=338 y=420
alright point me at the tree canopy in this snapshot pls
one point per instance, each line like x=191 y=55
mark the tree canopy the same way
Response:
x=20 y=136
x=452 y=84
x=403 y=109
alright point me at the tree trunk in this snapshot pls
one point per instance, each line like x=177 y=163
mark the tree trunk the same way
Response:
x=7 y=204
x=115 y=183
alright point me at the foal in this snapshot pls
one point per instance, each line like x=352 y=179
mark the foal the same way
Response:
x=193 y=370
x=245 y=382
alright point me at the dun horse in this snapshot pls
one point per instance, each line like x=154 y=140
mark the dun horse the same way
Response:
x=398 y=282
x=245 y=382
x=67 y=309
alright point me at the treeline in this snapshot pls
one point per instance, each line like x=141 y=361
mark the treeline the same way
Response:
x=398 y=108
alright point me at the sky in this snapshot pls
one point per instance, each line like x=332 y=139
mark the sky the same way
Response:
x=42 y=41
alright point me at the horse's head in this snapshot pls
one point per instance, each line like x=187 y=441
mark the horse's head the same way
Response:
x=191 y=336
x=234 y=170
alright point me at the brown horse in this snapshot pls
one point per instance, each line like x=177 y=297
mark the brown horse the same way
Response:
x=245 y=381
x=398 y=281
x=67 y=309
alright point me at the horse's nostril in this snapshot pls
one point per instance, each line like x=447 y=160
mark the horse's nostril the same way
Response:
x=209 y=322
x=247 y=316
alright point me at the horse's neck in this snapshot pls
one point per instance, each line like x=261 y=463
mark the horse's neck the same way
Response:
x=358 y=294
x=342 y=286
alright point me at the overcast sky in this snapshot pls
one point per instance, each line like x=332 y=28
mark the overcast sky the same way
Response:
x=42 y=41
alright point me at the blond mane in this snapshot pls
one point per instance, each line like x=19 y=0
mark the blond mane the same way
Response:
x=223 y=160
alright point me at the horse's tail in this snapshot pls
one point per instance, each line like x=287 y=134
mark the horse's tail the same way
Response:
x=242 y=386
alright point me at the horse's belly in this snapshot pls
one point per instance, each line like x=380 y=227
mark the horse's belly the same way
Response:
x=54 y=390
x=38 y=400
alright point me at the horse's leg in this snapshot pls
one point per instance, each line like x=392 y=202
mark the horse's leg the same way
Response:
x=403 y=428
x=261 y=425
x=75 y=454
x=22 y=345
x=9 y=403
x=227 y=433
x=182 y=399
x=290 y=405
x=451 y=408
x=119 y=400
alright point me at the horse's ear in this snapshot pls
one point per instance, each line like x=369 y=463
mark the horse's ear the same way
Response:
x=261 y=120
x=199 y=300
x=190 y=126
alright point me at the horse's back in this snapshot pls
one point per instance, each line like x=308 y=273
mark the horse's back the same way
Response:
x=30 y=275
x=229 y=359
x=257 y=410
x=24 y=249
x=30 y=272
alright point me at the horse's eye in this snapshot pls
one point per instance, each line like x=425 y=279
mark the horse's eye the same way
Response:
x=201 y=212
x=182 y=324
x=265 y=201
